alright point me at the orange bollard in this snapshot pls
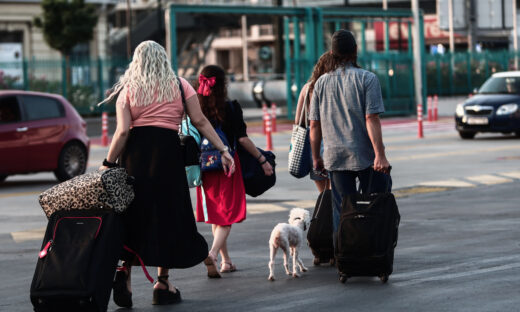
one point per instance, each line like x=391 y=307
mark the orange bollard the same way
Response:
x=104 y=129
x=430 y=115
x=435 y=107
x=273 y=116
x=264 y=117
x=269 y=139
x=420 y=134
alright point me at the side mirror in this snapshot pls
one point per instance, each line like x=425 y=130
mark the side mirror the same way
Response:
x=475 y=91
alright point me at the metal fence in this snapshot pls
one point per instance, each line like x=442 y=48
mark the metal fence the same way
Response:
x=83 y=82
x=461 y=73
x=448 y=74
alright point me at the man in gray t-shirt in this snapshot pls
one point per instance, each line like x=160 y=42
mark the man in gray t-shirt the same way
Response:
x=344 y=112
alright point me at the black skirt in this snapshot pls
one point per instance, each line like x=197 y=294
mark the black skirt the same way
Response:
x=160 y=224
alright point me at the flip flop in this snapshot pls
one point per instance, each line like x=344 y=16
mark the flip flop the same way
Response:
x=232 y=267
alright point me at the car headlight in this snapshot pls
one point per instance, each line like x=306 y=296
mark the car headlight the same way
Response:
x=507 y=109
x=459 y=111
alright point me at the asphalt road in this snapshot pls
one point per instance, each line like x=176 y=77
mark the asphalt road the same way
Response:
x=457 y=250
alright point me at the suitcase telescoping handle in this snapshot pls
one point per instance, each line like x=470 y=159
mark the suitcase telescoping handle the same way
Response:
x=369 y=188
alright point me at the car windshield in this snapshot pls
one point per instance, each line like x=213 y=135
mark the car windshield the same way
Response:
x=501 y=85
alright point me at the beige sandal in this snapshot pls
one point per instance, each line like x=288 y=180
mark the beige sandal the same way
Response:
x=232 y=267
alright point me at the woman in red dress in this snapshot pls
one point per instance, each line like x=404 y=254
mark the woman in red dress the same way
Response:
x=221 y=200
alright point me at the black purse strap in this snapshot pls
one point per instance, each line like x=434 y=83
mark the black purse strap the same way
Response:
x=184 y=106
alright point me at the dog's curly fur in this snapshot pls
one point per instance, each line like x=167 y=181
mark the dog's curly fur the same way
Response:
x=289 y=237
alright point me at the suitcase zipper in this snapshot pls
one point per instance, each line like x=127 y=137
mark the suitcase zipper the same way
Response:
x=47 y=248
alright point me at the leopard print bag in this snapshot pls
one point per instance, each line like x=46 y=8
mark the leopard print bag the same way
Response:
x=111 y=188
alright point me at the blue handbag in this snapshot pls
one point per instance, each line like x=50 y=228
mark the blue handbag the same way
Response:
x=210 y=157
x=192 y=172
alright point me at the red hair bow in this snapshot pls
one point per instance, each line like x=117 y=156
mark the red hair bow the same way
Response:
x=205 y=85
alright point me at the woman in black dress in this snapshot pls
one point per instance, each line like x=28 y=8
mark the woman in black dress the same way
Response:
x=160 y=227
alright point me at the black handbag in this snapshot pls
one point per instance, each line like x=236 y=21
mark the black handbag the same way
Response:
x=255 y=180
x=189 y=146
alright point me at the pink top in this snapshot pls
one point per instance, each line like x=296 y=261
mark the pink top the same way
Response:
x=165 y=115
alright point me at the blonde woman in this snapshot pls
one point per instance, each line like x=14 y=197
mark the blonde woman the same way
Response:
x=159 y=225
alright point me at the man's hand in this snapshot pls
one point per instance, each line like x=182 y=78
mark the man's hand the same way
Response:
x=381 y=164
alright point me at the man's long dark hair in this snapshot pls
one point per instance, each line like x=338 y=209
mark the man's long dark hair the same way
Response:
x=214 y=105
x=329 y=62
x=344 y=49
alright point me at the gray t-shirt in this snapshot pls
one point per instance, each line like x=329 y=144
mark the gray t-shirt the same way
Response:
x=341 y=100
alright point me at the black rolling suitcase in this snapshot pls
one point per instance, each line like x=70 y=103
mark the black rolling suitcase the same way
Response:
x=367 y=236
x=319 y=236
x=77 y=261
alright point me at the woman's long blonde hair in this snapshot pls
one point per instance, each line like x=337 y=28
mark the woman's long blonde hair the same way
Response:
x=148 y=79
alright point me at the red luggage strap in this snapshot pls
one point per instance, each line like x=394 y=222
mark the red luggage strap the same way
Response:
x=140 y=261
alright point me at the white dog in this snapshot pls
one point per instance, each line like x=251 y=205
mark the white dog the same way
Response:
x=289 y=236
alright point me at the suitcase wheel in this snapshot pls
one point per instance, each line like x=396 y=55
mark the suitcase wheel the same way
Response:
x=383 y=278
x=343 y=278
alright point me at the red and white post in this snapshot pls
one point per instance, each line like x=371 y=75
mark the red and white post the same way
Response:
x=104 y=129
x=268 y=137
x=264 y=117
x=435 y=107
x=420 y=134
x=273 y=116
x=430 y=113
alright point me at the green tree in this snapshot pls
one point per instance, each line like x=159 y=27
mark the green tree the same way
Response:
x=66 y=23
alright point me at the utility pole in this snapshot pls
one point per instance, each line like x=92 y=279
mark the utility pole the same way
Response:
x=385 y=27
x=450 y=25
x=417 y=62
x=515 y=34
x=245 y=63
x=129 y=32
x=470 y=8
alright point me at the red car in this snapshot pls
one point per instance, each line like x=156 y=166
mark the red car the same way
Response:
x=41 y=132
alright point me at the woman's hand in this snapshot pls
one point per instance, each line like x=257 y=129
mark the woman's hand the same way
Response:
x=228 y=163
x=317 y=164
x=268 y=169
x=266 y=166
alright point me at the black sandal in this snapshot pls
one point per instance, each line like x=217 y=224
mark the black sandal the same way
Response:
x=122 y=296
x=165 y=296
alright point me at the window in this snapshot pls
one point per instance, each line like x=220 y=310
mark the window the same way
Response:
x=39 y=107
x=9 y=110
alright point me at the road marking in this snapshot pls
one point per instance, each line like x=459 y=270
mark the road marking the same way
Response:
x=264 y=208
x=19 y=194
x=513 y=174
x=458 y=275
x=438 y=273
x=417 y=190
x=489 y=179
x=448 y=183
x=454 y=153
x=35 y=234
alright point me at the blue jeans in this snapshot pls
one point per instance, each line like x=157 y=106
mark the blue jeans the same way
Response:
x=344 y=183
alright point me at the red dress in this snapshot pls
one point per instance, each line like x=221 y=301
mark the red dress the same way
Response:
x=224 y=199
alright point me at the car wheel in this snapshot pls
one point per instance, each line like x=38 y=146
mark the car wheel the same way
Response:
x=467 y=134
x=3 y=177
x=72 y=162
